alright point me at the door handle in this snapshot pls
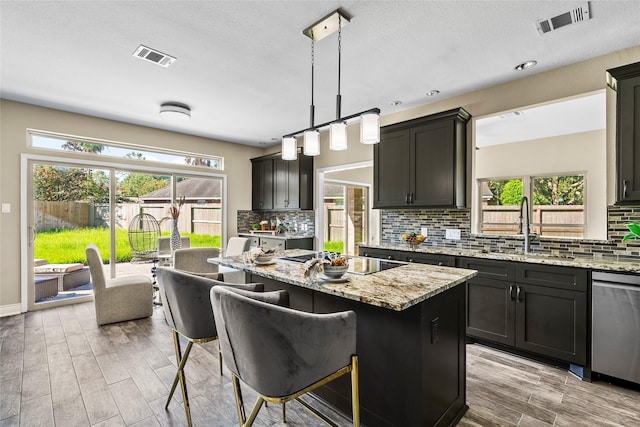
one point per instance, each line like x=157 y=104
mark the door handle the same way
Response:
x=518 y=294
x=511 y=296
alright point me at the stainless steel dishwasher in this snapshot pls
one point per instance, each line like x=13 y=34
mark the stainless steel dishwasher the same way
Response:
x=616 y=325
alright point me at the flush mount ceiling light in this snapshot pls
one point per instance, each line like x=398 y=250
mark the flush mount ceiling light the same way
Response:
x=525 y=65
x=175 y=111
x=369 y=119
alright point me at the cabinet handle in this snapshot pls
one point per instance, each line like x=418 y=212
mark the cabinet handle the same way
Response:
x=518 y=294
x=411 y=198
x=441 y=264
x=625 y=184
x=389 y=257
x=511 y=293
x=406 y=198
x=410 y=259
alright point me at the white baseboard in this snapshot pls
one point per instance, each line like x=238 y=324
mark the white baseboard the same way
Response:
x=10 y=310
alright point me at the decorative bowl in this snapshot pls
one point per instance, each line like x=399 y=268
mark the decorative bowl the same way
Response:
x=264 y=258
x=335 y=271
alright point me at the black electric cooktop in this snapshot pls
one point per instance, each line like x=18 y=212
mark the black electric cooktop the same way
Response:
x=357 y=264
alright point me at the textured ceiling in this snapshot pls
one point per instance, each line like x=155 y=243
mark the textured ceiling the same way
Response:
x=244 y=66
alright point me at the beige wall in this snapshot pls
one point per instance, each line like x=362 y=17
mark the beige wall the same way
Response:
x=16 y=118
x=576 y=79
x=582 y=152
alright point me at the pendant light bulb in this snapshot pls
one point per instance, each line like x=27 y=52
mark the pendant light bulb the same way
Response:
x=289 y=148
x=338 y=136
x=370 y=128
x=312 y=142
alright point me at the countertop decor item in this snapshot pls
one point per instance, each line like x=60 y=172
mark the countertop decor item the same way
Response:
x=634 y=229
x=413 y=239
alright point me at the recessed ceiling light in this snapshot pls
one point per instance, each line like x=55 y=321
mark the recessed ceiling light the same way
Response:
x=525 y=65
x=395 y=103
x=174 y=110
x=432 y=92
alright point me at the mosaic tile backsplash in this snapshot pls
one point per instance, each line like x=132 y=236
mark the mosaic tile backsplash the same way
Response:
x=302 y=221
x=395 y=222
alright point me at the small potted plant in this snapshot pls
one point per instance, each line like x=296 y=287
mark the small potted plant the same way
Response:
x=634 y=229
x=255 y=226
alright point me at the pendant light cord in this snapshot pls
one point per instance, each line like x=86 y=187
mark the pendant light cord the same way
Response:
x=312 y=107
x=339 y=97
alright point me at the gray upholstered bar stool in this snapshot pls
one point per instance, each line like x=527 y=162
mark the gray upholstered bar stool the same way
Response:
x=282 y=353
x=188 y=306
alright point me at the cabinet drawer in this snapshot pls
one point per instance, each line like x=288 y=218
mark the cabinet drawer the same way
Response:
x=378 y=253
x=433 y=259
x=552 y=276
x=489 y=269
x=267 y=242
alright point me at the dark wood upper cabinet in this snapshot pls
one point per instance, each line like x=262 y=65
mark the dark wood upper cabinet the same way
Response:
x=626 y=81
x=261 y=184
x=422 y=162
x=282 y=184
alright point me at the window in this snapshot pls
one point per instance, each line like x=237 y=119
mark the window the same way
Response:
x=557 y=210
x=121 y=150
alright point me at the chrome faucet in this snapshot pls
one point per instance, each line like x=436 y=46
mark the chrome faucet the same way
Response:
x=524 y=225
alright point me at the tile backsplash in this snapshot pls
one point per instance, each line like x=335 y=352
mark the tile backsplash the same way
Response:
x=303 y=220
x=395 y=222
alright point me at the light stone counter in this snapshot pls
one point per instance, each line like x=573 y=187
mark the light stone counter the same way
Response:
x=581 y=262
x=396 y=289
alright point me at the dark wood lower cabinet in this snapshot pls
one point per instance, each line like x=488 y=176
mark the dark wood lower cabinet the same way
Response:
x=550 y=321
x=412 y=362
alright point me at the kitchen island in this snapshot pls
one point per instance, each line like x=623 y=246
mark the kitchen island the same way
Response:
x=410 y=336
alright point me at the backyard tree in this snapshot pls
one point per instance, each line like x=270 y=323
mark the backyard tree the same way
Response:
x=58 y=183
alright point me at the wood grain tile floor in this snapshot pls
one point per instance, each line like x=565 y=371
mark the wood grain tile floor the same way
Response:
x=58 y=368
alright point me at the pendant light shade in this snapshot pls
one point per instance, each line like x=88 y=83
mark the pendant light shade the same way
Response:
x=312 y=142
x=370 y=128
x=338 y=136
x=289 y=148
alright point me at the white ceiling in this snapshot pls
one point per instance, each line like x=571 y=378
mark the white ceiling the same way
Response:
x=244 y=66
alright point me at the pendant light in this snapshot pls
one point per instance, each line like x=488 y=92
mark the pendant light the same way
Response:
x=369 y=119
x=338 y=129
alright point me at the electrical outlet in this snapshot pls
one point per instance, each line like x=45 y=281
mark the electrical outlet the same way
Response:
x=452 y=234
x=6 y=208
x=423 y=231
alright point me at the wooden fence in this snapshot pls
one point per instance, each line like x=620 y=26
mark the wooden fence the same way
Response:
x=194 y=218
x=559 y=221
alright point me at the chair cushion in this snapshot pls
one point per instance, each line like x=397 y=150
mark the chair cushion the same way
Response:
x=57 y=268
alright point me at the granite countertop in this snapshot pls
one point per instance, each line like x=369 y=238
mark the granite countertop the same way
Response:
x=396 y=289
x=277 y=236
x=581 y=262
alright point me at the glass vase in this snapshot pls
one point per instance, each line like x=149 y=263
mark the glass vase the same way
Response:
x=175 y=241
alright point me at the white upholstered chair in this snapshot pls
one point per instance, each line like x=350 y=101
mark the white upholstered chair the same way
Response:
x=119 y=299
x=235 y=247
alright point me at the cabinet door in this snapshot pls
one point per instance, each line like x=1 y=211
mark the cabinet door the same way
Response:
x=281 y=183
x=391 y=170
x=552 y=322
x=490 y=310
x=262 y=185
x=433 y=165
x=628 y=139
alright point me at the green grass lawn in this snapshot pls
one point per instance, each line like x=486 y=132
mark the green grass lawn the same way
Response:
x=332 y=246
x=66 y=246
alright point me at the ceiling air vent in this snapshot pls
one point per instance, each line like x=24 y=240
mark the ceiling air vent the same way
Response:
x=151 y=55
x=573 y=16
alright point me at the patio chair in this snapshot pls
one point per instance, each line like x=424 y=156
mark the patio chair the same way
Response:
x=119 y=299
